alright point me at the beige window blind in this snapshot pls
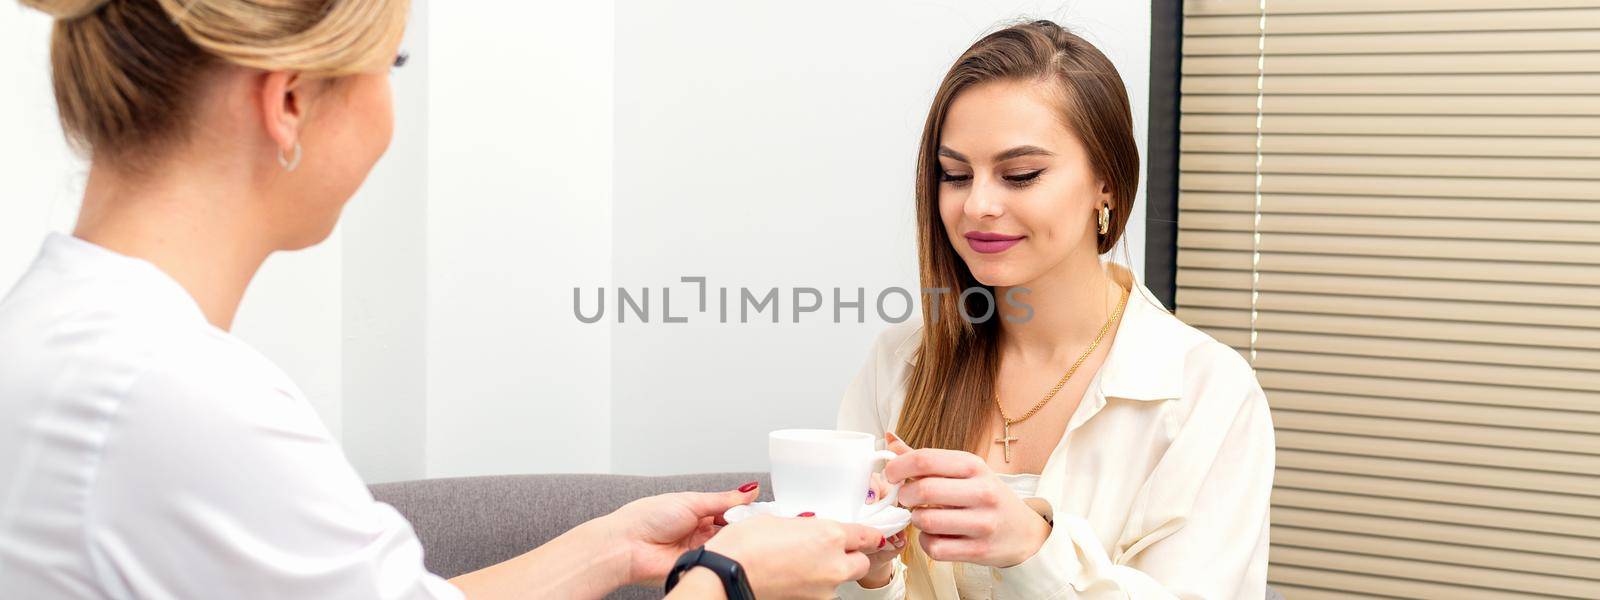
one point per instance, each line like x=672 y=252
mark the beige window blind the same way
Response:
x=1392 y=208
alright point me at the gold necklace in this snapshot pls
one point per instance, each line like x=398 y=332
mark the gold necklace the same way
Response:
x=1006 y=439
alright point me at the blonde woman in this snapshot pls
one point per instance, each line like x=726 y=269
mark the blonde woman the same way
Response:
x=1089 y=445
x=147 y=453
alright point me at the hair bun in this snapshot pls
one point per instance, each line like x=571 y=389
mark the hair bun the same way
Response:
x=65 y=9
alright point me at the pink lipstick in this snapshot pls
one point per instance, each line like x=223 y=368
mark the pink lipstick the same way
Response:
x=990 y=243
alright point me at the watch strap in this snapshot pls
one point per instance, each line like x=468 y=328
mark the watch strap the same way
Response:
x=734 y=582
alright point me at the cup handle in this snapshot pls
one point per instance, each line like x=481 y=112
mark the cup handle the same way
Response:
x=889 y=498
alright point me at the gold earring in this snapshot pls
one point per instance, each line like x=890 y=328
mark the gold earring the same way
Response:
x=1105 y=219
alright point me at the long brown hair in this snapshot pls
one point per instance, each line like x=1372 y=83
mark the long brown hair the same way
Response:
x=953 y=381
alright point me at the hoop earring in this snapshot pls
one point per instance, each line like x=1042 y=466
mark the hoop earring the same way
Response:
x=1105 y=219
x=289 y=164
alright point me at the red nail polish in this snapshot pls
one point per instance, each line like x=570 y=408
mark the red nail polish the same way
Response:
x=807 y=514
x=882 y=541
x=749 y=487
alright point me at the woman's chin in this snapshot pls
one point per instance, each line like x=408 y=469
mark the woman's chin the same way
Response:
x=997 y=276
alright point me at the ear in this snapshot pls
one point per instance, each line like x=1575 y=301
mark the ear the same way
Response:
x=283 y=102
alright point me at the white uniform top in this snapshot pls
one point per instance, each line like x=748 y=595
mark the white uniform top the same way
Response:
x=147 y=454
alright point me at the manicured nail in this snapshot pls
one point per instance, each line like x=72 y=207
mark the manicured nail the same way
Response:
x=749 y=487
x=872 y=495
x=882 y=541
x=807 y=514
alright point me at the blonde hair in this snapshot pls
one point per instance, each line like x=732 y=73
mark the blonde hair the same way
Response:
x=126 y=71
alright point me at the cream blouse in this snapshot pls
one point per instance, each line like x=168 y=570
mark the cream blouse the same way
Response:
x=1159 y=488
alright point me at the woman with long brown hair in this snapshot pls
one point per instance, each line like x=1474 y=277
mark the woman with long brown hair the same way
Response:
x=145 y=452
x=1076 y=439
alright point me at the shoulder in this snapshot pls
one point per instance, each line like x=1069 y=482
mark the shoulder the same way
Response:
x=215 y=425
x=1214 y=395
x=1217 y=380
x=899 y=341
x=1178 y=360
x=206 y=359
x=1181 y=337
x=213 y=449
x=1211 y=367
x=104 y=328
x=210 y=385
x=97 y=351
x=1198 y=356
x=1212 y=361
x=892 y=354
x=873 y=398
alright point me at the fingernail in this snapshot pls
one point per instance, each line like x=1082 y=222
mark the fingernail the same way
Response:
x=807 y=514
x=872 y=495
x=749 y=487
x=882 y=541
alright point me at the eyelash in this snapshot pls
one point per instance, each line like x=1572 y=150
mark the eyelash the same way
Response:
x=1024 y=179
x=401 y=59
x=1019 y=180
x=957 y=180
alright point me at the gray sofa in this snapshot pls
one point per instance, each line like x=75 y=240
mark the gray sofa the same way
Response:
x=472 y=522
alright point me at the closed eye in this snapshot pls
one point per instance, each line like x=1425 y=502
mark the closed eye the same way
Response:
x=1022 y=179
x=956 y=179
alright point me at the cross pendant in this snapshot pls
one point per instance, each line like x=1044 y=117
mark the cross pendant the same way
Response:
x=1006 y=438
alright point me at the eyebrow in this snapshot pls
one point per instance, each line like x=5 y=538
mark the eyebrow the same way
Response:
x=1001 y=157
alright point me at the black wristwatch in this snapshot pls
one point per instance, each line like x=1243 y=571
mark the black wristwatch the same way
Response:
x=734 y=582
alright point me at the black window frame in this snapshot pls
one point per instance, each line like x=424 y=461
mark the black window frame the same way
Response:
x=1162 y=149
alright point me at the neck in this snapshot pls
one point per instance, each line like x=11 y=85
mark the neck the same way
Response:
x=194 y=225
x=1071 y=304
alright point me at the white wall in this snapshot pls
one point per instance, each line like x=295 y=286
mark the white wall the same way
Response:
x=772 y=145
x=42 y=180
x=545 y=146
x=385 y=285
x=519 y=211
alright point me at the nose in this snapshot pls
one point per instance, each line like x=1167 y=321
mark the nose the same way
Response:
x=983 y=201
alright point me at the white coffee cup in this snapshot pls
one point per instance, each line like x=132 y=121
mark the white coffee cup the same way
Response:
x=826 y=472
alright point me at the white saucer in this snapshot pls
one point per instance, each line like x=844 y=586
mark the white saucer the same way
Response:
x=888 y=520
